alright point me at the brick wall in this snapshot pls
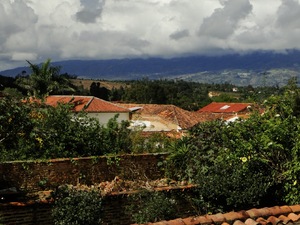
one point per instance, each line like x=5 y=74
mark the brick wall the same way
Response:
x=42 y=175
x=32 y=214
x=114 y=210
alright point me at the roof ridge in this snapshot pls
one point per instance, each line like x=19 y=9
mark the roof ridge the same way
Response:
x=89 y=102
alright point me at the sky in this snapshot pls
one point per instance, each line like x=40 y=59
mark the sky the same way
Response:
x=36 y=30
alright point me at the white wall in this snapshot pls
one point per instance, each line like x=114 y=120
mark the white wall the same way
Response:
x=105 y=117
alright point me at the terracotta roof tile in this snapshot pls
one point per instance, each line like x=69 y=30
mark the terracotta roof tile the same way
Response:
x=176 y=222
x=224 y=107
x=86 y=103
x=264 y=216
x=231 y=216
x=238 y=222
x=285 y=219
x=274 y=220
x=217 y=218
x=263 y=221
x=255 y=213
x=169 y=113
x=202 y=220
x=294 y=217
x=295 y=208
x=194 y=221
x=225 y=223
x=251 y=221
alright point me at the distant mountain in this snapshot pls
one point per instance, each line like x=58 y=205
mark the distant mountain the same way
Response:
x=189 y=68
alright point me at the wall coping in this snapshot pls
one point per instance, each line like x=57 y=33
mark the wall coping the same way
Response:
x=83 y=158
x=50 y=200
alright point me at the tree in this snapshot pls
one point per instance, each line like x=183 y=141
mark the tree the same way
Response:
x=44 y=80
x=248 y=163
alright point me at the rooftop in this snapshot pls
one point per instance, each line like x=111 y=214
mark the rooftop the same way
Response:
x=86 y=103
x=223 y=107
x=167 y=114
x=277 y=215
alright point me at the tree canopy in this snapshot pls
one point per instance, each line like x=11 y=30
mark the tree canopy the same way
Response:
x=44 y=80
x=248 y=163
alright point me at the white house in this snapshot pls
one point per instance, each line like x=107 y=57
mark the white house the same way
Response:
x=93 y=106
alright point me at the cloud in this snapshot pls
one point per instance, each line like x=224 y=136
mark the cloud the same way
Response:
x=100 y=29
x=223 y=22
x=179 y=34
x=22 y=56
x=91 y=10
x=288 y=15
x=14 y=17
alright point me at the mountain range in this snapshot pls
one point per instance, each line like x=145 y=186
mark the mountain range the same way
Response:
x=256 y=68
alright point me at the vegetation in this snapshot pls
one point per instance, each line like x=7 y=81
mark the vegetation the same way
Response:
x=76 y=207
x=152 y=207
x=247 y=163
x=44 y=80
x=35 y=131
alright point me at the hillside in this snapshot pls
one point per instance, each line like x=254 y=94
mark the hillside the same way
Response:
x=86 y=83
x=258 y=68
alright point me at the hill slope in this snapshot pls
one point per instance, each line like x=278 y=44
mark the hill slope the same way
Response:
x=197 y=68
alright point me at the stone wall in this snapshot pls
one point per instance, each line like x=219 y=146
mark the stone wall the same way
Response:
x=42 y=175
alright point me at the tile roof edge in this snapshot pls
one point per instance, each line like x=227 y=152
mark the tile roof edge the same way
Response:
x=240 y=217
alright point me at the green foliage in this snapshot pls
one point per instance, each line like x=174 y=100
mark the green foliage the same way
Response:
x=15 y=128
x=76 y=207
x=246 y=163
x=187 y=95
x=115 y=137
x=37 y=131
x=44 y=79
x=151 y=143
x=152 y=206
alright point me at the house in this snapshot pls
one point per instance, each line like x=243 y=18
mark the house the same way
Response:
x=163 y=118
x=95 y=107
x=229 y=111
x=228 y=108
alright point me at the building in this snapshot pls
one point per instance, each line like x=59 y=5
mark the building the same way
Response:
x=163 y=118
x=228 y=111
x=93 y=106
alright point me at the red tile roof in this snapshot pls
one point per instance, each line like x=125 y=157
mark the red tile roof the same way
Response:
x=263 y=216
x=183 y=118
x=86 y=103
x=223 y=107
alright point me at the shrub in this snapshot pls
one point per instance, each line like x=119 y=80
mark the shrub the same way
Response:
x=76 y=207
x=247 y=163
x=151 y=206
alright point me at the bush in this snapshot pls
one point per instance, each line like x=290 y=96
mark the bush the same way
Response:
x=76 y=207
x=37 y=131
x=250 y=163
x=151 y=206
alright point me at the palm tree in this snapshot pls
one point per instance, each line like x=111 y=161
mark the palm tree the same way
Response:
x=44 y=80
